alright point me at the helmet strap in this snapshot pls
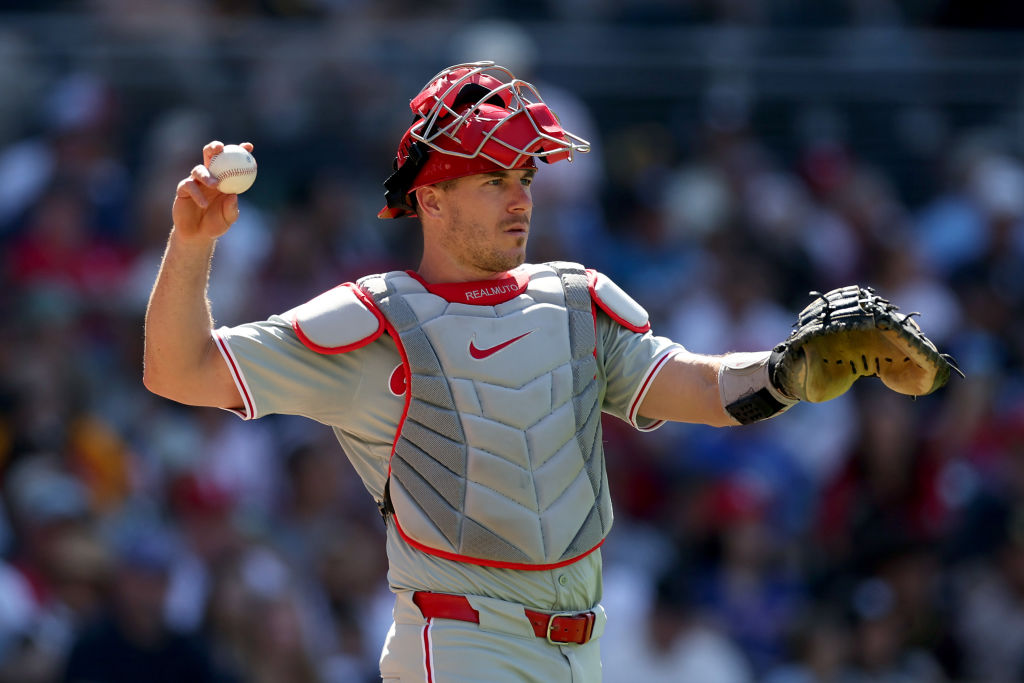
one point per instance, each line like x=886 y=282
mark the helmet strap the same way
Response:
x=396 y=187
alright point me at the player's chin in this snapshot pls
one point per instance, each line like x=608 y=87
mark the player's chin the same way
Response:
x=508 y=260
x=519 y=253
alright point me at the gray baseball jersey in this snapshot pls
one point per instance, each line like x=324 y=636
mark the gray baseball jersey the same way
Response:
x=354 y=381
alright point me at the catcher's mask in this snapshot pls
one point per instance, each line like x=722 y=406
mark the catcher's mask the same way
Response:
x=473 y=118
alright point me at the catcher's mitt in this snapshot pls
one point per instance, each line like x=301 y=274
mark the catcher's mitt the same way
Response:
x=851 y=332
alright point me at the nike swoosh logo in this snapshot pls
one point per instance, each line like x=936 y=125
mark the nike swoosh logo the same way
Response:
x=480 y=354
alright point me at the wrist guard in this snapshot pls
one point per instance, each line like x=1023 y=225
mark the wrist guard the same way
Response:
x=744 y=383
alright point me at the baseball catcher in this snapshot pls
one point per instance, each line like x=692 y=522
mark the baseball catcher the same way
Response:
x=468 y=393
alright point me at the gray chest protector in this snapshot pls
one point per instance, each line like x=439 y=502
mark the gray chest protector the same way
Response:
x=498 y=458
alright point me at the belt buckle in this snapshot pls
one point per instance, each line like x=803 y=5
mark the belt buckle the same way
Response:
x=587 y=632
x=551 y=626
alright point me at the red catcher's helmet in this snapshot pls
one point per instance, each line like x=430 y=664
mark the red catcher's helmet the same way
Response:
x=474 y=118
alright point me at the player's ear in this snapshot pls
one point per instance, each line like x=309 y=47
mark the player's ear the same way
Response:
x=429 y=201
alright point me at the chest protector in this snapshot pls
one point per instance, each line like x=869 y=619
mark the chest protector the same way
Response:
x=498 y=458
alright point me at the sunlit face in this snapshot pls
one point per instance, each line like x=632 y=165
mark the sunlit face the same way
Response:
x=486 y=220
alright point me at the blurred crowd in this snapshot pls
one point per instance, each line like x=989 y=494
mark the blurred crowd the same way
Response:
x=872 y=538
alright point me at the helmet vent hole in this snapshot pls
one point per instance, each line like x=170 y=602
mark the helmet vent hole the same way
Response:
x=471 y=93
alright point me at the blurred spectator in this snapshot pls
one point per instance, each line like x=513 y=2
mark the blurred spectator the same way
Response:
x=59 y=570
x=820 y=646
x=78 y=148
x=131 y=641
x=990 y=621
x=901 y=277
x=729 y=312
x=203 y=511
x=658 y=636
x=59 y=559
x=358 y=603
x=18 y=659
x=276 y=652
x=309 y=514
x=746 y=590
x=272 y=639
x=316 y=534
x=880 y=651
x=887 y=493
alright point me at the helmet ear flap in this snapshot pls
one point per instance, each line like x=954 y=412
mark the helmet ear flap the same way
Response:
x=396 y=187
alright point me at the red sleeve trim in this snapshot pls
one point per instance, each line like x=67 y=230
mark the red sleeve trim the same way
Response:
x=634 y=406
x=248 y=411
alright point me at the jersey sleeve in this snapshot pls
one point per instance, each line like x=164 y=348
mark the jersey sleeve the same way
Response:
x=276 y=373
x=630 y=361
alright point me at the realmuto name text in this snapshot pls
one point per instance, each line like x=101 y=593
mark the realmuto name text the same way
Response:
x=491 y=291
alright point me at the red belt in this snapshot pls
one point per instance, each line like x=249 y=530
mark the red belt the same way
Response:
x=561 y=627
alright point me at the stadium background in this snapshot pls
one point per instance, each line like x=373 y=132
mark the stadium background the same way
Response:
x=746 y=152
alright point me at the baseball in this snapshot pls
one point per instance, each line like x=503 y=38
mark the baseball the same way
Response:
x=235 y=168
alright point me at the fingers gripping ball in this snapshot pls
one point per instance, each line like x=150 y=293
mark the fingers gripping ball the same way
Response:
x=849 y=333
x=235 y=168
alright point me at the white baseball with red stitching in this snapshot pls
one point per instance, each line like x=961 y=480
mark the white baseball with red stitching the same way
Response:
x=235 y=168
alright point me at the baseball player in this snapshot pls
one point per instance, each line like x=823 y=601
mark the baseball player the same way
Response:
x=466 y=393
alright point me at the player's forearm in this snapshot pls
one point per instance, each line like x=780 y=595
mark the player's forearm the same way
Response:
x=686 y=390
x=720 y=391
x=178 y=342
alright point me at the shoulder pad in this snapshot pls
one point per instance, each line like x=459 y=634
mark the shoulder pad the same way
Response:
x=339 y=320
x=619 y=306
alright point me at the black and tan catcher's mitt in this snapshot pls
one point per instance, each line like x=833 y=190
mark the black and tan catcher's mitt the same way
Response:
x=851 y=332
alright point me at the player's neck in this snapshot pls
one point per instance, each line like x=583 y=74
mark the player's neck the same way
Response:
x=437 y=267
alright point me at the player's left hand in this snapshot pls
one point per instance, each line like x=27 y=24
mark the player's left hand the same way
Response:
x=850 y=333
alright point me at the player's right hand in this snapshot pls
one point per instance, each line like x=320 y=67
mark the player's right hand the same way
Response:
x=200 y=211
